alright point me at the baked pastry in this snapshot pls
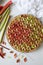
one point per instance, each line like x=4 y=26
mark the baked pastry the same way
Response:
x=25 y=33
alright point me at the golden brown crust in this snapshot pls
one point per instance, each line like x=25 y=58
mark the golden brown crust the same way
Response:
x=37 y=22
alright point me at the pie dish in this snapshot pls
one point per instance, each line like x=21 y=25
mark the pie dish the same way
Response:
x=25 y=33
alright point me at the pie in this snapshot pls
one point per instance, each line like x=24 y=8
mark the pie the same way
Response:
x=25 y=33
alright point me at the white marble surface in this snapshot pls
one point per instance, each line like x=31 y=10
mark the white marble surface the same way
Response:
x=21 y=7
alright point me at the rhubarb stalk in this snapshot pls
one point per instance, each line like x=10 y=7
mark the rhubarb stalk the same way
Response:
x=2 y=31
x=2 y=16
x=4 y=20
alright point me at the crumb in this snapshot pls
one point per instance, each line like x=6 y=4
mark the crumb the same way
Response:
x=15 y=55
x=4 y=43
x=25 y=59
x=18 y=60
x=11 y=51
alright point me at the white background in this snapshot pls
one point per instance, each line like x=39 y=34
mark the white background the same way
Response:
x=36 y=57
